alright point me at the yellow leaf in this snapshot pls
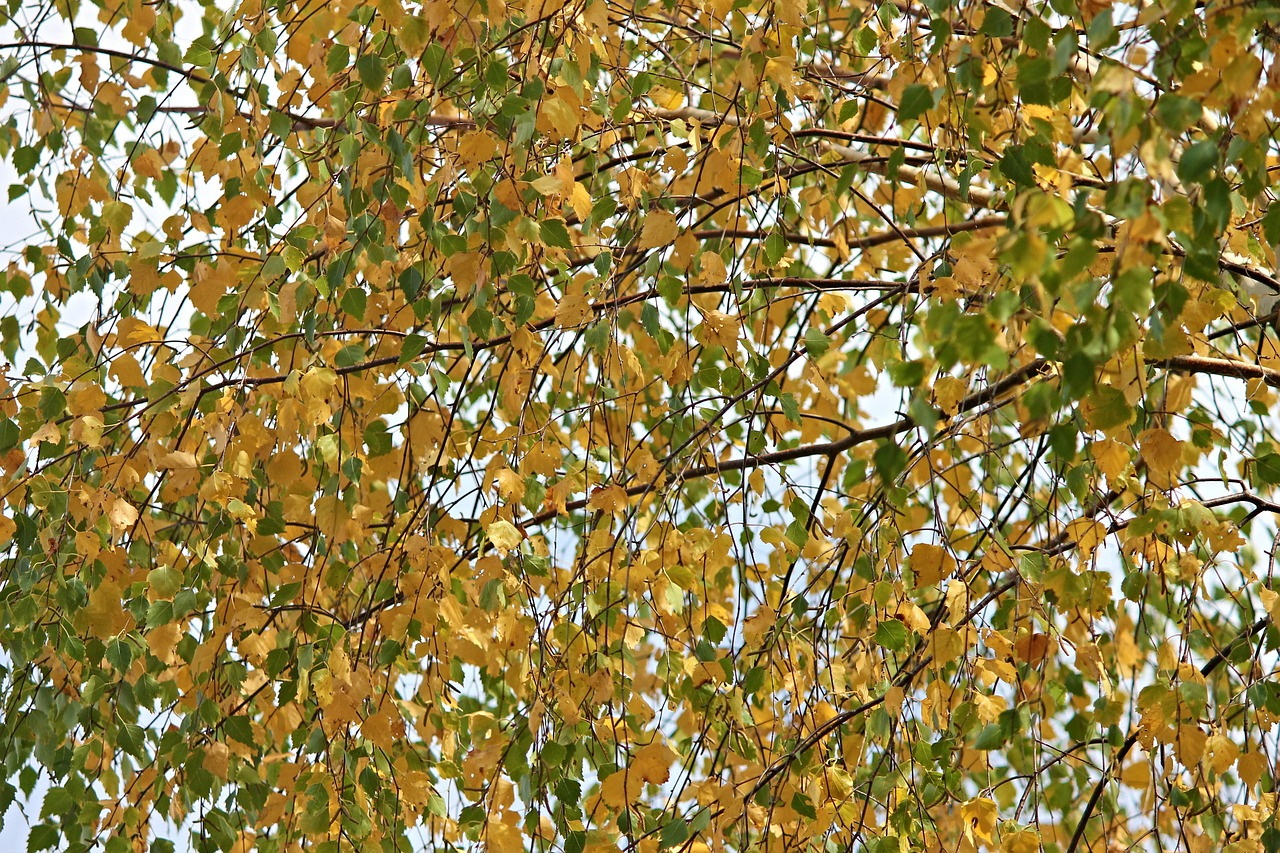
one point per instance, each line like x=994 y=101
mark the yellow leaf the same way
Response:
x=103 y=616
x=574 y=310
x=580 y=200
x=131 y=330
x=910 y=614
x=660 y=228
x=667 y=99
x=177 y=459
x=713 y=269
x=718 y=330
x=620 y=788
x=558 y=495
x=414 y=33
x=216 y=759
x=1111 y=457
x=1087 y=533
x=237 y=211
x=123 y=515
x=476 y=147
x=561 y=116
x=504 y=535
x=88 y=431
x=1032 y=648
x=839 y=782
x=381 y=729
x=989 y=671
x=317 y=383
x=415 y=786
x=546 y=185
x=979 y=818
x=1270 y=601
x=48 y=434
x=1161 y=450
x=89 y=71
x=1022 y=841
x=989 y=708
x=510 y=485
x=653 y=763
x=1222 y=752
x=611 y=498
x=537 y=9
x=163 y=641
x=948 y=392
x=339 y=663
x=894 y=698
x=1189 y=744
x=1146 y=228
x=637 y=706
x=705 y=672
x=1251 y=766
x=88 y=543
x=209 y=284
x=1137 y=774
x=931 y=564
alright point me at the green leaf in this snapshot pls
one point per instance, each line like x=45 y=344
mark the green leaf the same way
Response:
x=131 y=738
x=199 y=55
x=1015 y=166
x=803 y=805
x=991 y=737
x=285 y=593
x=906 y=374
x=165 y=581
x=42 y=836
x=1108 y=408
x=25 y=159
x=372 y=71
x=350 y=355
x=412 y=347
x=349 y=148
x=997 y=23
x=116 y=215
x=575 y=841
x=775 y=247
x=553 y=754
x=338 y=59
x=10 y=435
x=916 y=100
x=1197 y=161
x=674 y=833
x=890 y=460
x=790 y=408
x=555 y=234
x=1266 y=469
x=798 y=533
x=753 y=680
x=1178 y=113
x=239 y=728
x=891 y=634
x=274 y=266
x=353 y=303
x=315 y=819
x=815 y=342
x=1102 y=31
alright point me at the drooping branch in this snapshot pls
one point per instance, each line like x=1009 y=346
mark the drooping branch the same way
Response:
x=1219 y=657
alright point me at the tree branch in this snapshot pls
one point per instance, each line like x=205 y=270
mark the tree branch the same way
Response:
x=1213 y=663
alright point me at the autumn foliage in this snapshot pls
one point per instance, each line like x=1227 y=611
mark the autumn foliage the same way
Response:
x=690 y=425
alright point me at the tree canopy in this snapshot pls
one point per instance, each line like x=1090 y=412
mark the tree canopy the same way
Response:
x=688 y=425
